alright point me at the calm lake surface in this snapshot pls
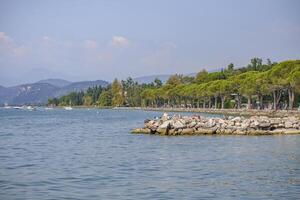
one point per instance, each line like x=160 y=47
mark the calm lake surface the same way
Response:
x=90 y=154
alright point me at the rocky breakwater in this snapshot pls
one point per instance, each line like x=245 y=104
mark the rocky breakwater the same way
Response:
x=199 y=125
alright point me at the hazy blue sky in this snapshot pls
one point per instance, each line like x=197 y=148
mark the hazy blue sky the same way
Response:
x=86 y=40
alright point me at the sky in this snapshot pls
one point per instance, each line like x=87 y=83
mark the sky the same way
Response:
x=106 y=39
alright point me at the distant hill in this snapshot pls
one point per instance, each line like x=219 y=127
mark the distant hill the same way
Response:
x=36 y=93
x=78 y=86
x=56 y=82
x=41 y=91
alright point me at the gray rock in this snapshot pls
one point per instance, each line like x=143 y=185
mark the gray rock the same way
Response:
x=264 y=125
x=240 y=126
x=236 y=119
x=187 y=131
x=210 y=123
x=288 y=124
x=162 y=131
x=165 y=124
x=237 y=124
x=141 y=130
x=245 y=125
x=178 y=125
x=165 y=117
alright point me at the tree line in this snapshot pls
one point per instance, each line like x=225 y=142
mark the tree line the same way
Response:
x=118 y=93
x=256 y=86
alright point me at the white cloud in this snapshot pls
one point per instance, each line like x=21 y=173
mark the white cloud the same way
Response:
x=119 y=41
x=46 y=38
x=4 y=38
x=90 y=44
x=20 y=50
x=9 y=48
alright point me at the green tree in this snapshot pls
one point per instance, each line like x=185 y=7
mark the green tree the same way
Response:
x=105 y=98
x=87 y=99
x=248 y=87
x=201 y=76
x=256 y=64
x=158 y=83
x=175 y=80
x=261 y=87
x=53 y=102
x=117 y=93
x=230 y=67
x=284 y=77
x=187 y=79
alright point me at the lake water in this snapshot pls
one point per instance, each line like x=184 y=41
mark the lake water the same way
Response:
x=90 y=154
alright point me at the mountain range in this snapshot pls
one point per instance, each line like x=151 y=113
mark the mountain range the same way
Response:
x=41 y=91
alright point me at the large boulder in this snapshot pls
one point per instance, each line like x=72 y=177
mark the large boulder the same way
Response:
x=236 y=119
x=165 y=117
x=288 y=124
x=162 y=131
x=187 y=131
x=178 y=125
x=211 y=123
x=165 y=124
x=264 y=125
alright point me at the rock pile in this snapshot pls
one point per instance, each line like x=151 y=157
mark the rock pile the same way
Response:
x=199 y=125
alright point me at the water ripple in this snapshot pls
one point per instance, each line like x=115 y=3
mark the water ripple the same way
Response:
x=89 y=154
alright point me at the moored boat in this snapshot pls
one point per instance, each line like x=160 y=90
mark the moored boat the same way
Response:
x=17 y=107
x=30 y=108
x=68 y=108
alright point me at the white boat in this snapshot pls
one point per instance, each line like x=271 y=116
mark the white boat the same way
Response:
x=30 y=108
x=48 y=108
x=17 y=107
x=68 y=108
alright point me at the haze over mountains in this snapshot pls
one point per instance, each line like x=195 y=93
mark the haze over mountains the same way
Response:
x=41 y=91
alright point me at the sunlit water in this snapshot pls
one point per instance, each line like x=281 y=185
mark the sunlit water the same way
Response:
x=90 y=154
